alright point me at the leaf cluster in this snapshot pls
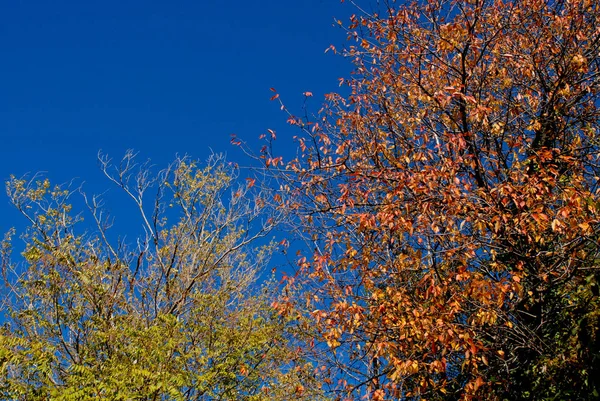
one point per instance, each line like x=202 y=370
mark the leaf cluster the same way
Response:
x=180 y=314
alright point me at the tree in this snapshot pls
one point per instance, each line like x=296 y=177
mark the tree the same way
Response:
x=452 y=201
x=179 y=314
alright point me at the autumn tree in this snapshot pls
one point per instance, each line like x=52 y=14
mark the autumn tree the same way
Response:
x=177 y=314
x=451 y=198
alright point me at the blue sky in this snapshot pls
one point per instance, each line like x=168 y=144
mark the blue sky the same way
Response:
x=161 y=77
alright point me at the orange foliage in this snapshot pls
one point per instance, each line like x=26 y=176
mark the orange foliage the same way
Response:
x=452 y=192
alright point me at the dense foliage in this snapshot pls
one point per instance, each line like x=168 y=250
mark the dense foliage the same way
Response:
x=176 y=315
x=452 y=201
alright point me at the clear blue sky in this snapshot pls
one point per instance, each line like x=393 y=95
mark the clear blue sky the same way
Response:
x=162 y=77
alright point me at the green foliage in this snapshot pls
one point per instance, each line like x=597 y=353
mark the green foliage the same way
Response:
x=179 y=315
x=571 y=370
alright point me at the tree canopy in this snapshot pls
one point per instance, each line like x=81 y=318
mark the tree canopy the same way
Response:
x=178 y=314
x=448 y=198
x=451 y=198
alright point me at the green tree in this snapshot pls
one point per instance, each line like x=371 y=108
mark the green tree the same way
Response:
x=179 y=314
